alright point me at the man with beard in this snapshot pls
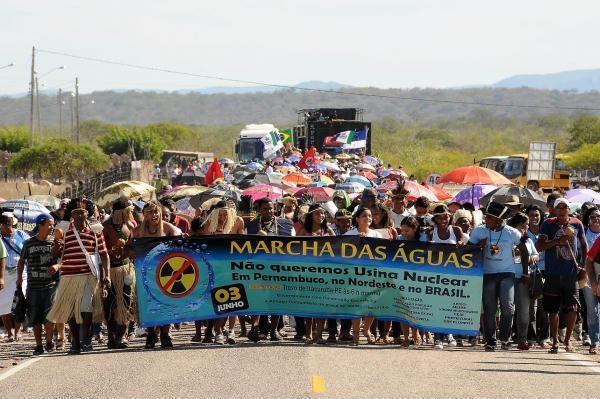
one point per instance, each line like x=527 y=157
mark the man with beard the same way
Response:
x=117 y=305
x=266 y=224
x=154 y=226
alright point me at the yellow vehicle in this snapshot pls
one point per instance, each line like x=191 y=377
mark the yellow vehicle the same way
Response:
x=514 y=167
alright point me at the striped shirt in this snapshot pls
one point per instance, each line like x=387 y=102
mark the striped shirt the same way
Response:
x=73 y=262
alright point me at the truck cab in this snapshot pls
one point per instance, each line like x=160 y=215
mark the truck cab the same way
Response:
x=248 y=146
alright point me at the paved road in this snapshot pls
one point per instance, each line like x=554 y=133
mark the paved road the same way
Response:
x=298 y=370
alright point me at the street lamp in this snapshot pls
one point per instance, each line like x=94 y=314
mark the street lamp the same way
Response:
x=50 y=71
x=8 y=66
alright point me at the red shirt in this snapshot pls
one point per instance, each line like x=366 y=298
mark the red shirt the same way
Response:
x=594 y=251
x=182 y=224
x=73 y=262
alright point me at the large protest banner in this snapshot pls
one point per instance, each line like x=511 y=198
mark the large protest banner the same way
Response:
x=436 y=287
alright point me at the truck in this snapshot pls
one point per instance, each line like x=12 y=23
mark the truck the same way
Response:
x=248 y=146
x=317 y=127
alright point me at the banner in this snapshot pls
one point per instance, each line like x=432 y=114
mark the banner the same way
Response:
x=435 y=287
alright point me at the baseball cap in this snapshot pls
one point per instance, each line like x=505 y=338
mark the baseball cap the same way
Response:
x=6 y=215
x=42 y=217
x=561 y=201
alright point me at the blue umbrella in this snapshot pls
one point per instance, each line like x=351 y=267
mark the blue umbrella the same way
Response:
x=25 y=211
x=318 y=184
x=253 y=165
x=322 y=168
x=372 y=160
x=293 y=158
x=359 y=179
x=351 y=187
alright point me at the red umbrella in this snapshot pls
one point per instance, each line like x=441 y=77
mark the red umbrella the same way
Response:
x=439 y=192
x=368 y=175
x=474 y=175
x=263 y=190
x=320 y=194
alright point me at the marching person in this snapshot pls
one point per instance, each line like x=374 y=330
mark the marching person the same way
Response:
x=153 y=225
x=117 y=304
x=83 y=280
x=38 y=260
x=13 y=240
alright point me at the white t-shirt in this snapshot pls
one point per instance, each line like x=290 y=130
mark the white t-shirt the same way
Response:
x=397 y=218
x=372 y=233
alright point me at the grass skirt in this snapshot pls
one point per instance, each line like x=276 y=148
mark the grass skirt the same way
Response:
x=118 y=305
x=70 y=291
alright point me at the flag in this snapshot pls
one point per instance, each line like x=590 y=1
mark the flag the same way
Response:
x=358 y=139
x=345 y=137
x=213 y=173
x=287 y=136
x=308 y=159
x=271 y=143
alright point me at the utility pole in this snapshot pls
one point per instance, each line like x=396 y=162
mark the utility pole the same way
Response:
x=31 y=94
x=72 y=117
x=77 y=111
x=37 y=106
x=60 y=114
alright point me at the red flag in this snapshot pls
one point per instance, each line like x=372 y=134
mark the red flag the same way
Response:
x=213 y=173
x=308 y=159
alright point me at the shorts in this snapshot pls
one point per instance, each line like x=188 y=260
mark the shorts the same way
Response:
x=39 y=302
x=561 y=291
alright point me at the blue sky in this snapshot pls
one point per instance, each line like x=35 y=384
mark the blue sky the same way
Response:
x=378 y=43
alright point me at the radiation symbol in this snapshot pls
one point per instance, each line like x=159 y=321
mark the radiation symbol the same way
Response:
x=177 y=275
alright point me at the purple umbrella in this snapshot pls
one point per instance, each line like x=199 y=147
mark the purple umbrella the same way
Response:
x=581 y=195
x=472 y=194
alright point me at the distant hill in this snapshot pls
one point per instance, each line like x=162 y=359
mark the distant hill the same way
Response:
x=582 y=80
x=313 y=84
x=279 y=107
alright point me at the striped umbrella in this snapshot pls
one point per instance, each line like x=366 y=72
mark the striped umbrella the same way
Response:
x=359 y=179
x=351 y=187
x=131 y=189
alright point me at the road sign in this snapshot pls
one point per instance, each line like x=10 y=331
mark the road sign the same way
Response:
x=177 y=275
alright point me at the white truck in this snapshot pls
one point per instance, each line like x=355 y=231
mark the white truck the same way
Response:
x=248 y=146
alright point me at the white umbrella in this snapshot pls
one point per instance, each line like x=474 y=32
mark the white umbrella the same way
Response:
x=331 y=166
x=365 y=166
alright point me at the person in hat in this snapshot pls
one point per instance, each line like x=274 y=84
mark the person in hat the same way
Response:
x=39 y=258
x=13 y=240
x=398 y=211
x=514 y=206
x=343 y=222
x=498 y=242
x=83 y=280
x=563 y=239
x=117 y=304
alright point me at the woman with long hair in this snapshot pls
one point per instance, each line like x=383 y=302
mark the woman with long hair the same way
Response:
x=362 y=220
x=591 y=221
x=315 y=225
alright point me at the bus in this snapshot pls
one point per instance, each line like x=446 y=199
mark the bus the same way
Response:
x=514 y=168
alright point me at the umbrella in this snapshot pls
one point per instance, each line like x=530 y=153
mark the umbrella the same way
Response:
x=49 y=201
x=253 y=179
x=359 y=179
x=388 y=185
x=351 y=187
x=226 y=161
x=320 y=194
x=365 y=166
x=474 y=175
x=439 y=192
x=293 y=158
x=326 y=179
x=415 y=190
x=297 y=178
x=215 y=192
x=393 y=173
x=130 y=189
x=343 y=156
x=368 y=175
x=320 y=167
x=254 y=166
x=504 y=194
x=581 y=195
x=183 y=191
x=25 y=211
x=263 y=191
x=372 y=160
x=318 y=184
x=331 y=165
x=472 y=194
x=183 y=206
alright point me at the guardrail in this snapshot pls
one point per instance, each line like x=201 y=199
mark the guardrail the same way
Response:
x=92 y=186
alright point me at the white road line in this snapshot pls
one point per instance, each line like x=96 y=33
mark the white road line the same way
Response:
x=590 y=364
x=19 y=367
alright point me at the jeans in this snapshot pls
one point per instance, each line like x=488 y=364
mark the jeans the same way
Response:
x=498 y=287
x=522 y=301
x=593 y=315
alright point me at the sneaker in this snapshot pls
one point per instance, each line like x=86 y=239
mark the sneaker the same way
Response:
x=165 y=341
x=151 y=340
x=87 y=347
x=438 y=345
x=577 y=331
x=586 y=340
x=219 y=339
x=523 y=346
x=231 y=337
x=49 y=346
x=561 y=334
x=460 y=343
x=39 y=350
x=140 y=332
x=490 y=348
x=74 y=350
x=505 y=346
x=253 y=335
x=451 y=340
x=275 y=336
x=473 y=341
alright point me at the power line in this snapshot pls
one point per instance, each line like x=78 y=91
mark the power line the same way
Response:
x=348 y=93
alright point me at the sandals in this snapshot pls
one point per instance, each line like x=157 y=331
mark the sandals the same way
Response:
x=196 y=338
x=569 y=348
x=593 y=350
x=553 y=349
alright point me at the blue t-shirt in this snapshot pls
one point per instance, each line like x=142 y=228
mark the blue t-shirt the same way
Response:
x=518 y=266
x=559 y=259
x=542 y=255
x=506 y=239
x=591 y=237
x=13 y=246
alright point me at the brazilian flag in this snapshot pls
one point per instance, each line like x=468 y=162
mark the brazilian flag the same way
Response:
x=287 y=136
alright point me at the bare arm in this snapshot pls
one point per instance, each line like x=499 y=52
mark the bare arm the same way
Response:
x=2 y=268
x=589 y=268
x=20 y=269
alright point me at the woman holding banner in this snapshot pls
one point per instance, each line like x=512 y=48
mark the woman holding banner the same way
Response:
x=362 y=221
x=315 y=225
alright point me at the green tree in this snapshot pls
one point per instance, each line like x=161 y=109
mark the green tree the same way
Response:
x=59 y=159
x=14 y=138
x=136 y=142
x=585 y=157
x=584 y=130
x=175 y=136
